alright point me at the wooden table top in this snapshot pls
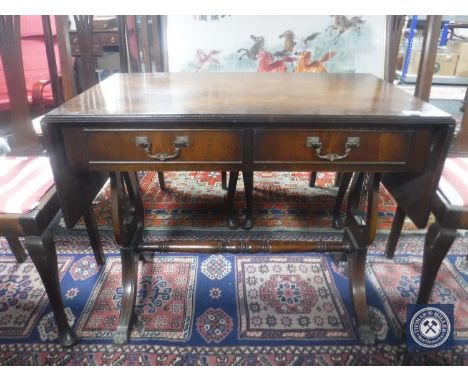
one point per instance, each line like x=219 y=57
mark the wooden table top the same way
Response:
x=237 y=97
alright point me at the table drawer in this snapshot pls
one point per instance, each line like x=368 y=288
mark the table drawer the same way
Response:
x=163 y=146
x=333 y=146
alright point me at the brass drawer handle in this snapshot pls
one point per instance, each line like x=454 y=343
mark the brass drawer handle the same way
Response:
x=178 y=144
x=314 y=143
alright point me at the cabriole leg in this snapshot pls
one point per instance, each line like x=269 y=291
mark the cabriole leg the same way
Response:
x=357 y=287
x=361 y=226
x=43 y=255
x=436 y=246
x=129 y=285
x=128 y=221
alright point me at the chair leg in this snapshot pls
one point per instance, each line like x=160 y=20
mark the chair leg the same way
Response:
x=42 y=252
x=17 y=249
x=224 y=180
x=312 y=179
x=162 y=182
x=345 y=179
x=436 y=246
x=94 y=237
x=395 y=232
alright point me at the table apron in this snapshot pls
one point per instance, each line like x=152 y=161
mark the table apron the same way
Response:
x=250 y=149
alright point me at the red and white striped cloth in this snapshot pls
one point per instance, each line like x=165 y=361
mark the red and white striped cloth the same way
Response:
x=454 y=181
x=23 y=182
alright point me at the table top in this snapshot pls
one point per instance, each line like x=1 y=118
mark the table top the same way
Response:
x=237 y=97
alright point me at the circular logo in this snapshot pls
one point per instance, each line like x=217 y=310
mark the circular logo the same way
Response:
x=430 y=327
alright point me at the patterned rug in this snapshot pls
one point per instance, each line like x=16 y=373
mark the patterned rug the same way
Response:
x=226 y=309
x=282 y=200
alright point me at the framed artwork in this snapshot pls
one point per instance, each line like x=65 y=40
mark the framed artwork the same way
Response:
x=353 y=44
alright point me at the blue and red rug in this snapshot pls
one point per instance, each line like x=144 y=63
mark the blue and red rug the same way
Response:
x=281 y=200
x=226 y=310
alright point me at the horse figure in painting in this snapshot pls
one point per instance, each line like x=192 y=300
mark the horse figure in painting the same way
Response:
x=266 y=63
x=306 y=64
x=256 y=48
x=289 y=43
x=204 y=60
x=344 y=24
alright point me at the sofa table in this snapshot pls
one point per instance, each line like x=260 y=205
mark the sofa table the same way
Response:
x=249 y=122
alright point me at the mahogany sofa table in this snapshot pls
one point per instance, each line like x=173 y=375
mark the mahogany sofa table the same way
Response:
x=249 y=122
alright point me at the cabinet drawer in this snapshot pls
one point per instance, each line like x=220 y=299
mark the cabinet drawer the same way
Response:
x=333 y=146
x=163 y=146
x=109 y=38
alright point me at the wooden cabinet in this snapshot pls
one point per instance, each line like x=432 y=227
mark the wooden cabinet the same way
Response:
x=102 y=39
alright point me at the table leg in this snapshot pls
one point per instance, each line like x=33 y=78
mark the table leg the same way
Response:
x=162 y=181
x=338 y=178
x=93 y=234
x=127 y=221
x=357 y=287
x=361 y=224
x=397 y=226
x=248 y=187
x=129 y=285
x=233 y=219
x=343 y=185
x=224 y=180
x=312 y=179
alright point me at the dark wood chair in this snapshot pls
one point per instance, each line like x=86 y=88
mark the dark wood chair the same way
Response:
x=450 y=209
x=36 y=41
x=32 y=221
x=450 y=203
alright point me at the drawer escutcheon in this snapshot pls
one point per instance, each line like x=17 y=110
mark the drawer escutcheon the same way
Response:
x=314 y=143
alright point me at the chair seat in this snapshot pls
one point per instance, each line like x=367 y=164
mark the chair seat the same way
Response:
x=453 y=183
x=23 y=182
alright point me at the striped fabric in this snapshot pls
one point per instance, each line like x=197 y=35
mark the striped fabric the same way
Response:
x=454 y=181
x=23 y=182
